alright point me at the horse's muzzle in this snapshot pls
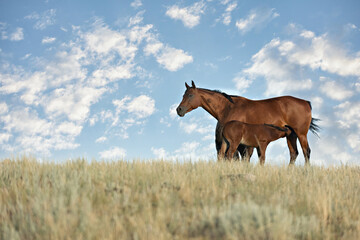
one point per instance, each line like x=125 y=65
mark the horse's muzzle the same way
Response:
x=180 y=111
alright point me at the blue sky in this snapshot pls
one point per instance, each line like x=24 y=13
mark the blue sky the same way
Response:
x=101 y=79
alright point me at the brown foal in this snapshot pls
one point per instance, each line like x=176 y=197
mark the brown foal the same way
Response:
x=252 y=135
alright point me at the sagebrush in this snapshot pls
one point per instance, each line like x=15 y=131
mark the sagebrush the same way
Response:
x=176 y=200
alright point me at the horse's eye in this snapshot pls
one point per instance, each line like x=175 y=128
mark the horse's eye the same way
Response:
x=190 y=95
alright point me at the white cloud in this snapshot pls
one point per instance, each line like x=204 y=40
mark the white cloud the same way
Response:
x=190 y=16
x=3 y=108
x=26 y=121
x=120 y=104
x=3 y=31
x=173 y=59
x=56 y=98
x=226 y=16
x=4 y=137
x=285 y=64
x=172 y=111
x=74 y=101
x=335 y=90
x=114 y=153
x=246 y=24
x=160 y=153
x=107 y=74
x=194 y=126
x=68 y=128
x=188 y=149
x=354 y=141
x=140 y=33
x=104 y=42
x=231 y=7
x=138 y=18
x=36 y=135
x=168 y=57
x=256 y=18
x=348 y=115
x=15 y=80
x=321 y=53
x=191 y=150
x=47 y=40
x=47 y=18
x=136 y=4
x=101 y=139
x=18 y=35
x=271 y=62
x=66 y=66
x=307 y=34
x=153 y=48
x=142 y=106
x=26 y=56
x=128 y=112
x=317 y=102
x=330 y=151
x=242 y=83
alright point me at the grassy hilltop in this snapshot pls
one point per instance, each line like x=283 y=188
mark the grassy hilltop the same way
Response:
x=167 y=200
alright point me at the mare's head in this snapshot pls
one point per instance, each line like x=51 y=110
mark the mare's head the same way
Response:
x=191 y=100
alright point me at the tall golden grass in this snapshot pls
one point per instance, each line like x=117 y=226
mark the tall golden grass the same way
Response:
x=176 y=200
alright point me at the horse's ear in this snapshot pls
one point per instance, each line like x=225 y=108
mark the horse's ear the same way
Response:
x=187 y=86
x=193 y=84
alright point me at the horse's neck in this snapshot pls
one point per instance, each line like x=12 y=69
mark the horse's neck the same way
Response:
x=214 y=103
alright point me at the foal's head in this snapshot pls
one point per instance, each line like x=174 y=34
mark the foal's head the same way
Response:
x=191 y=100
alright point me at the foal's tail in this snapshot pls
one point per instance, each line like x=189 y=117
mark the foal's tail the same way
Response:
x=314 y=128
x=277 y=127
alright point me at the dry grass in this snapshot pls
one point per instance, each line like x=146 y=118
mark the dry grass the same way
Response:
x=167 y=200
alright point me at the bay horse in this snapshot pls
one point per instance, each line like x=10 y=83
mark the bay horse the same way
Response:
x=252 y=135
x=279 y=111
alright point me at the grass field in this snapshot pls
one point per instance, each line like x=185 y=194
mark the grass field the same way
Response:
x=169 y=200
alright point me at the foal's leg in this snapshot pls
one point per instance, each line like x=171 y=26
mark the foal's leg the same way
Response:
x=249 y=152
x=291 y=141
x=232 y=149
x=219 y=142
x=262 y=148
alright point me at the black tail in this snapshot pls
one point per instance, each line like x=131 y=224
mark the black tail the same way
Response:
x=314 y=128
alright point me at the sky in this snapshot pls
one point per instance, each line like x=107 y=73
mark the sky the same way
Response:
x=101 y=79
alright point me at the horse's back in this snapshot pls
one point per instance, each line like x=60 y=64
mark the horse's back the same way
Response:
x=280 y=111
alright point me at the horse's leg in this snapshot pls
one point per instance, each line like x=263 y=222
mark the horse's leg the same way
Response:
x=291 y=141
x=245 y=152
x=218 y=138
x=258 y=152
x=222 y=152
x=236 y=155
x=305 y=147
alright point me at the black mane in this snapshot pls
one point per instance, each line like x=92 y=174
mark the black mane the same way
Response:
x=228 y=97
